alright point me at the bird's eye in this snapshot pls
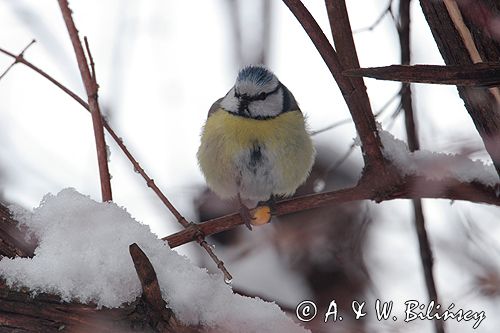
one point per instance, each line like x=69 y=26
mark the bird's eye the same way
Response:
x=262 y=96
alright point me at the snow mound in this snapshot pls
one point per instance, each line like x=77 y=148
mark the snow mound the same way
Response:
x=83 y=255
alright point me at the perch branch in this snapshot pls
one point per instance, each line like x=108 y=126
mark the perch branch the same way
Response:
x=91 y=89
x=408 y=188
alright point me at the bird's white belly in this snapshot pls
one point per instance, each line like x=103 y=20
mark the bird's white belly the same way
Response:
x=257 y=173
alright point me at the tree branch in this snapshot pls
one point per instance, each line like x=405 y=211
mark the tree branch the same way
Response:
x=482 y=103
x=159 y=316
x=91 y=89
x=408 y=188
x=19 y=56
x=426 y=255
x=361 y=115
x=480 y=74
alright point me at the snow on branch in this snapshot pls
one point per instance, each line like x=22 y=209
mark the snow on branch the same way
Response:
x=436 y=166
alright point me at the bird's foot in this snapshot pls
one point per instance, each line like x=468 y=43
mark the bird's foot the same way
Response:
x=246 y=216
x=270 y=203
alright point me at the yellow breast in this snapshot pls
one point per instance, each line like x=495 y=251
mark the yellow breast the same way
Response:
x=285 y=138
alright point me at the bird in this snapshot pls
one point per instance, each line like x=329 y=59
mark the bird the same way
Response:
x=255 y=144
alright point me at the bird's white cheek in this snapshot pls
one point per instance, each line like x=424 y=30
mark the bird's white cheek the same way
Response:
x=270 y=107
x=230 y=103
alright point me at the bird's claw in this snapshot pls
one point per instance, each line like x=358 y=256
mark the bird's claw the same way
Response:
x=246 y=216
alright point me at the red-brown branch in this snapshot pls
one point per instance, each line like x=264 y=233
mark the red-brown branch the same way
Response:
x=408 y=188
x=17 y=59
x=479 y=75
x=426 y=254
x=355 y=100
x=91 y=88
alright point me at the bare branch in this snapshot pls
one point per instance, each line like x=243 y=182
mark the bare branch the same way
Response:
x=426 y=255
x=91 y=59
x=452 y=33
x=409 y=188
x=480 y=74
x=360 y=111
x=19 y=56
x=91 y=88
x=387 y=10
x=159 y=316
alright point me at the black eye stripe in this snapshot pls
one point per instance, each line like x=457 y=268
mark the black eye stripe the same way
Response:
x=260 y=97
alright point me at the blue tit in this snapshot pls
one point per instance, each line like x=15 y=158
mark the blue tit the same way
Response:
x=255 y=144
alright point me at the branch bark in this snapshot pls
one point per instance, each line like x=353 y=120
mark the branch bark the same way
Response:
x=91 y=89
x=409 y=188
x=462 y=41
x=355 y=98
x=478 y=75
x=160 y=318
x=426 y=255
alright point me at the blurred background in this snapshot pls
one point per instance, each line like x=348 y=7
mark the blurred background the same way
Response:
x=161 y=64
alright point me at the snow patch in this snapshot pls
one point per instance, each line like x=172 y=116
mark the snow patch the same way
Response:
x=435 y=166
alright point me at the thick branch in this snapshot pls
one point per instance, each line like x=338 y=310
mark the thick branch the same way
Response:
x=480 y=74
x=453 y=38
x=45 y=313
x=361 y=115
x=91 y=89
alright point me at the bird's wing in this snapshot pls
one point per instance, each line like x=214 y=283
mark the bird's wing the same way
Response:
x=289 y=102
x=214 y=107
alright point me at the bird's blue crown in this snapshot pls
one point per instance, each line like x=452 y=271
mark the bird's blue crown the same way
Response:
x=255 y=74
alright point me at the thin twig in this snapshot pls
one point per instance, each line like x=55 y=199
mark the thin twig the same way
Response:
x=332 y=126
x=387 y=10
x=349 y=120
x=19 y=56
x=340 y=161
x=91 y=89
x=426 y=254
x=137 y=167
x=91 y=59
